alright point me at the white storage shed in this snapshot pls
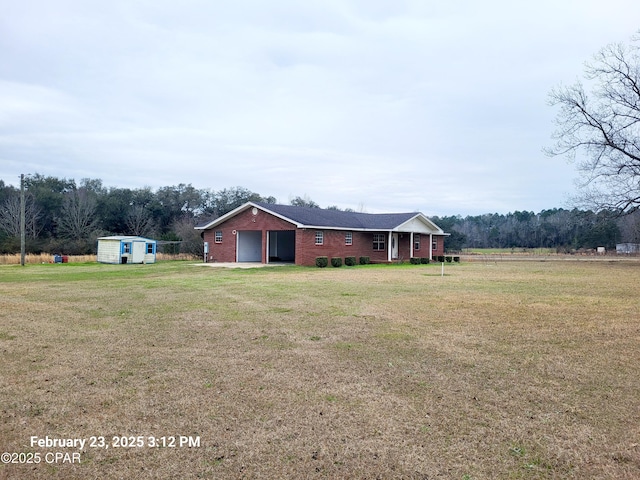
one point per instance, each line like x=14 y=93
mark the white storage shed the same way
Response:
x=125 y=249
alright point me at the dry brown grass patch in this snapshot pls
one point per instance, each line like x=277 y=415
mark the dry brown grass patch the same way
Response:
x=524 y=370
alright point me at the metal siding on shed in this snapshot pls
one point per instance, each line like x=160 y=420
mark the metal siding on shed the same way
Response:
x=109 y=251
x=150 y=257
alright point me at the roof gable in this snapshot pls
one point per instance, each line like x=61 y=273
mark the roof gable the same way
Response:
x=420 y=224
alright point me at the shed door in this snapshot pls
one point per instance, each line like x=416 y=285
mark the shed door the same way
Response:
x=139 y=250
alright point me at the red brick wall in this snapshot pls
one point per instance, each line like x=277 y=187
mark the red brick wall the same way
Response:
x=423 y=252
x=439 y=239
x=334 y=246
x=404 y=246
x=226 y=250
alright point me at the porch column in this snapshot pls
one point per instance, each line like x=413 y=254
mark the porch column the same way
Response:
x=430 y=246
x=411 y=250
x=389 y=248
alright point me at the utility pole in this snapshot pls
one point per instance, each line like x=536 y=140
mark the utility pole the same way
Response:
x=22 y=221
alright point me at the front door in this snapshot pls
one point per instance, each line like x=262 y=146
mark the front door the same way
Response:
x=394 y=246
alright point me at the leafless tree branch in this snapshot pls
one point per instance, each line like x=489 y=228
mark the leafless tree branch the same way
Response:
x=601 y=131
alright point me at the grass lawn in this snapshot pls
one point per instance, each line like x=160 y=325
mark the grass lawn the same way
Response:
x=503 y=371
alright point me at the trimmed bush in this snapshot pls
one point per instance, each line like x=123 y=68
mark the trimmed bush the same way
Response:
x=441 y=258
x=456 y=259
x=336 y=262
x=365 y=260
x=349 y=261
x=322 y=262
x=425 y=260
x=449 y=258
x=414 y=261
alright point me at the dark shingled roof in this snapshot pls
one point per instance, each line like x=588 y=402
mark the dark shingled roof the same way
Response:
x=318 y=217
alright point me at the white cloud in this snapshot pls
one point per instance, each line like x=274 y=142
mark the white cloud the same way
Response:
x=408 y=105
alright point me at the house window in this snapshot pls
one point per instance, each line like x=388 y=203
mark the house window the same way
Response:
x=378 y=241
x=434 y=244
x=126 y=248
x=319 y=237
x=218 y=237
x=150 y=248
x=348 y=238
x=416 y=241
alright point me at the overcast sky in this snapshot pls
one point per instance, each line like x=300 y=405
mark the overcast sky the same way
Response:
x=390 y=106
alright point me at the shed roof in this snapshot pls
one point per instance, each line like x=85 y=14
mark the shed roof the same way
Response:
x=129 y=238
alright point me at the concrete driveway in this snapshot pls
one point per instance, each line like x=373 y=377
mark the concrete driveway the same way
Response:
x=242 y=264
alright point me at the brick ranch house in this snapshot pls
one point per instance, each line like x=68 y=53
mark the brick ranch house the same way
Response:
x=263 y=232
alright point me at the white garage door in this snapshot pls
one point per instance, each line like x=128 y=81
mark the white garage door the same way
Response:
x=250 y=246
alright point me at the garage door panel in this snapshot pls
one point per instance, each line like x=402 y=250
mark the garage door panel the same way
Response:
x=249 y=246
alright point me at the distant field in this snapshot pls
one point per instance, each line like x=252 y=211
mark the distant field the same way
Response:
x=506 y=251
x=494 y=371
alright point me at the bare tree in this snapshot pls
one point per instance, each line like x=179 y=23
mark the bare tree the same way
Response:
x=10 y=217
x=78 y=219
x=139 y=221
x=601 y=131
x=191 y=240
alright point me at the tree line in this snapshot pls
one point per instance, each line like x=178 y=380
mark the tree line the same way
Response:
x=558 y=228
x=65 y=216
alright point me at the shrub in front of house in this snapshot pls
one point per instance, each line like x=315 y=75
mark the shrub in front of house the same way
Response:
x=425 y=260
x=415 y=261
x=349 y=261
x=456 y=259
x=441 y=258
x=449 y=258
x=336 y=262
x=322 y=262
x=365 y=260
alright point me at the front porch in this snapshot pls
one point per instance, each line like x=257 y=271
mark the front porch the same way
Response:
x=403 y=246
